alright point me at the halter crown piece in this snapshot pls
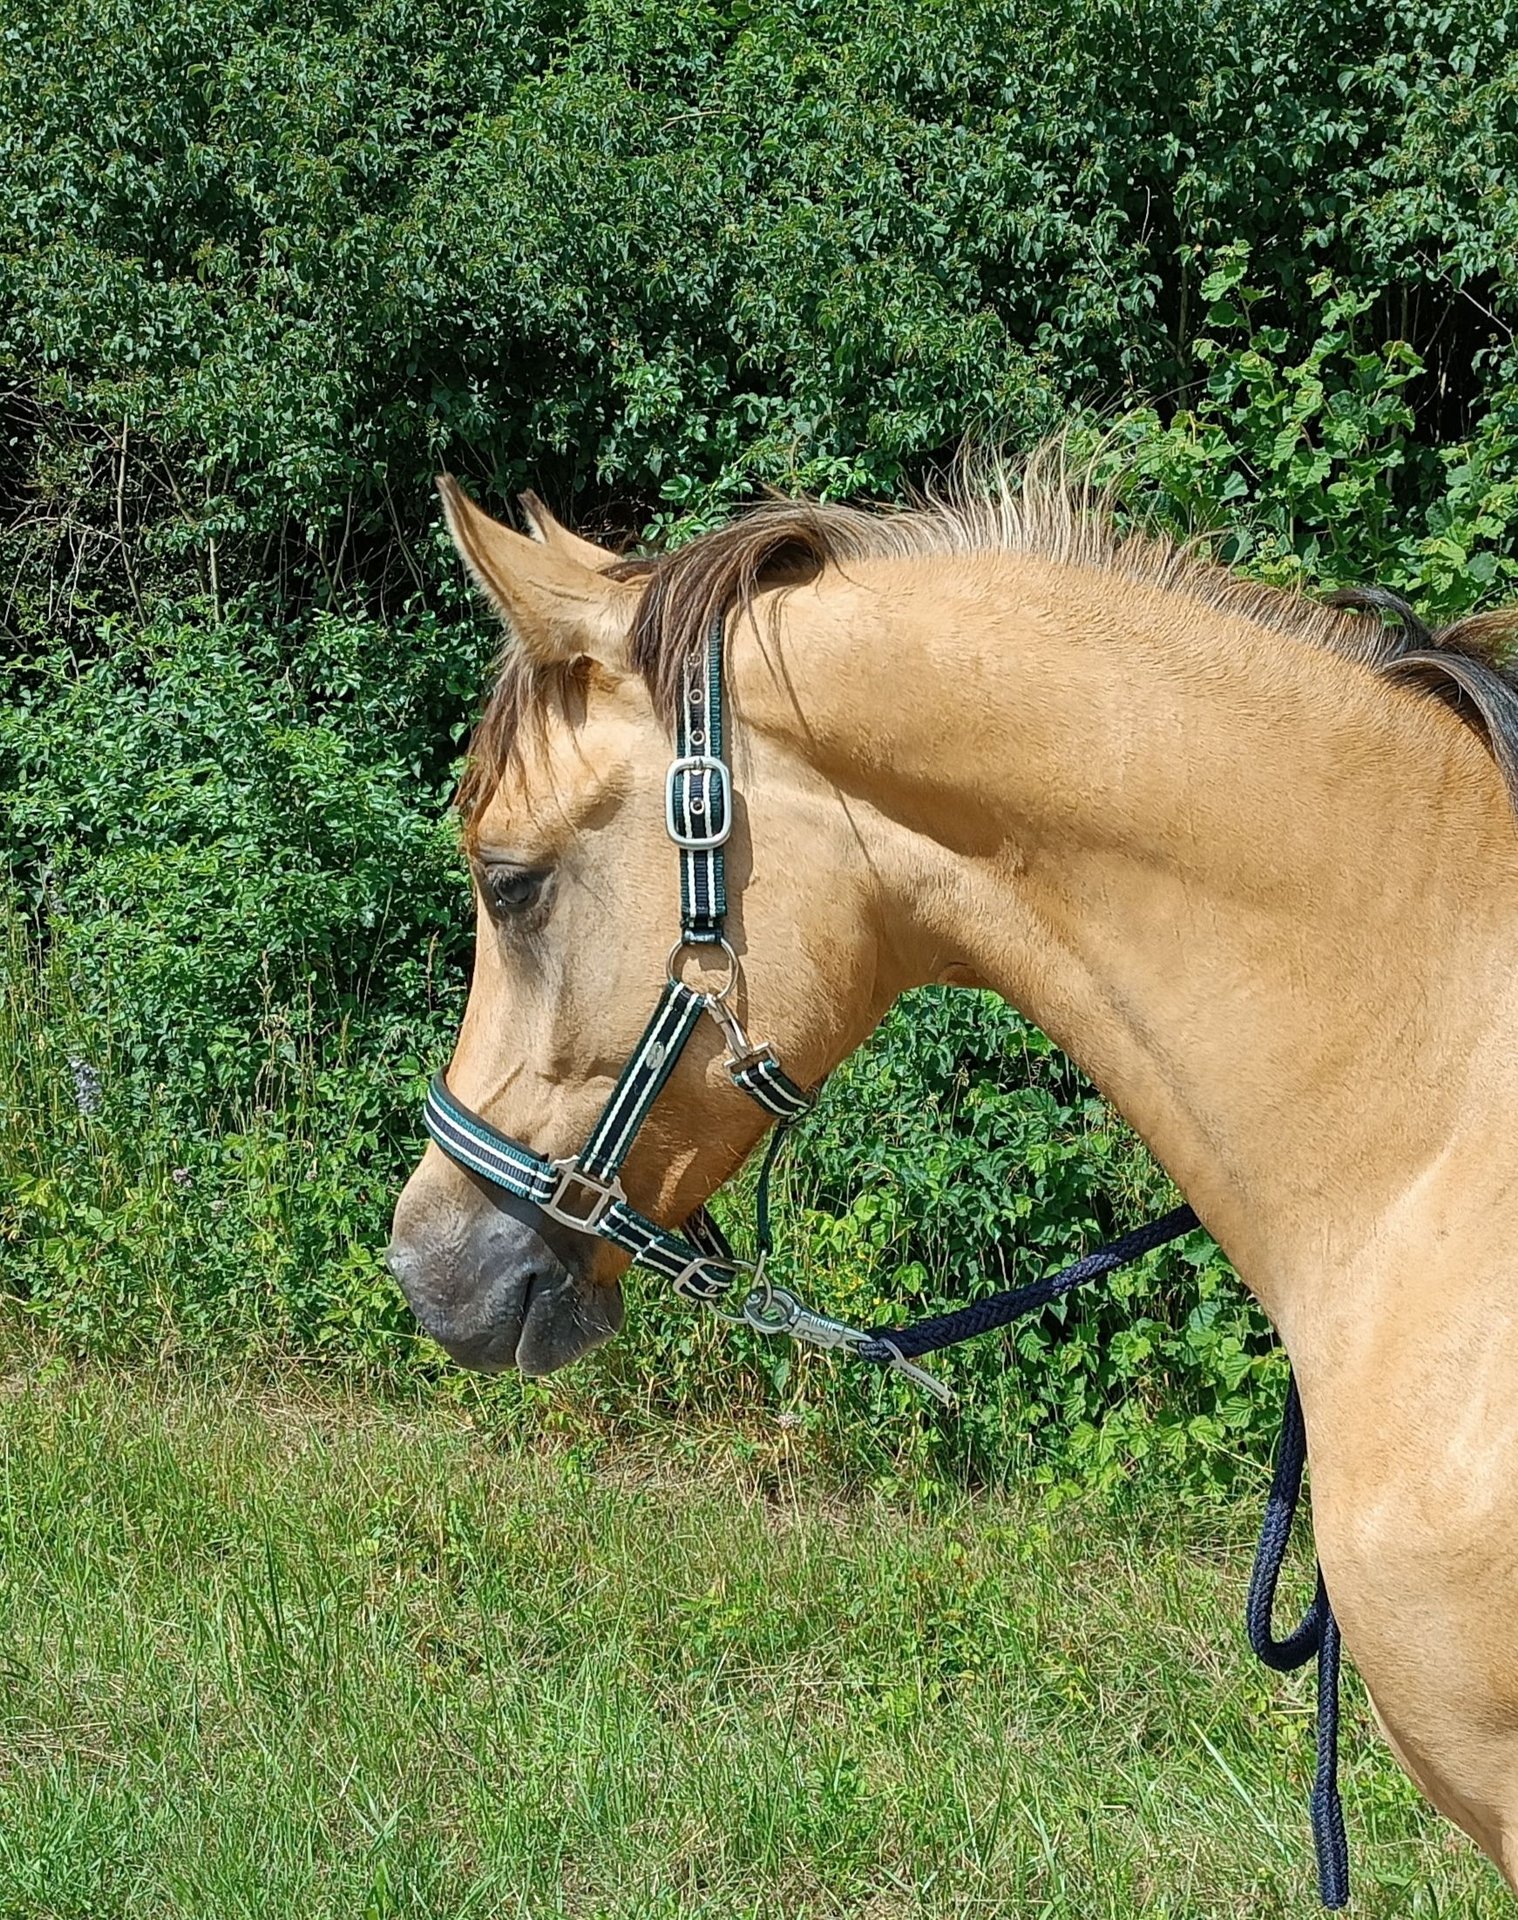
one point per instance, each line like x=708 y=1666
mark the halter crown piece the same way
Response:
x=584 y=1191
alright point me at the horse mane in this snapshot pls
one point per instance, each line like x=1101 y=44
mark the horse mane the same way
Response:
x=1038 y=509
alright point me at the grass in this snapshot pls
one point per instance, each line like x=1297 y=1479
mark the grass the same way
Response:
x=272 y=1652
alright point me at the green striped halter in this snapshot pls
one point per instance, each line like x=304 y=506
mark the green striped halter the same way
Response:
x=584 y=1191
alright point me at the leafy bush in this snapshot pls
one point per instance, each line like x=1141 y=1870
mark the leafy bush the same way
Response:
x=264 y=269
x=956 y=1147
x=204 y=840
x=960 y=1152
x=1321 y=453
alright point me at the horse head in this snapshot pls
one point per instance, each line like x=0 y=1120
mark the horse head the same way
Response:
x=576 y=889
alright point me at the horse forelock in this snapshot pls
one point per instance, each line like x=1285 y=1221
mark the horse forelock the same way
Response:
x=526 y=691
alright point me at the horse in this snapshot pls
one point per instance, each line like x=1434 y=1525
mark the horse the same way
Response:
x=1249 y=858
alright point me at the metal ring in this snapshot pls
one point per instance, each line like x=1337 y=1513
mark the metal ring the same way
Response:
x=770 y=1309
x=720 y=994
x=757 y=1287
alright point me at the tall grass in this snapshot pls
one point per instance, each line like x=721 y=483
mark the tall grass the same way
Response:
x=253 y=1235
x=139 y=1219
x=125 y=1229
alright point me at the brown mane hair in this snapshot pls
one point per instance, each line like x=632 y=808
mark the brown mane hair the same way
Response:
x=1036 y=509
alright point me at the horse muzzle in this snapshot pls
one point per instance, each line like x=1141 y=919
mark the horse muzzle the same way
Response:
x=495 y=1284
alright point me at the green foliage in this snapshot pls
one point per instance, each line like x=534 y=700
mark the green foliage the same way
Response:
x=960 y=1152
x=264 y=269
x=136 y=1217
x=1321 y=453
x=202 y=836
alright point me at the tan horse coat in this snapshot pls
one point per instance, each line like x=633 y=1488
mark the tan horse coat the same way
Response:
x=1266 y=897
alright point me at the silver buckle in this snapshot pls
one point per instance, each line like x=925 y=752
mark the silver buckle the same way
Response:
x=762 y=1054
x=604 y=1196
x=694 y=842
x=703 y=1295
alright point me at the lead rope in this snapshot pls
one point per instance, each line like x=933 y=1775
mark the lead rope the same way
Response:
x=1318 y=1633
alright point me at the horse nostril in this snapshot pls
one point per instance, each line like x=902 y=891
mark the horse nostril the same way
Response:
x=408 y=1270
x=453 y=1321
x=473 y=1307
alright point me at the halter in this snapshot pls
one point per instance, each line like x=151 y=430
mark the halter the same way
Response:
x=583 y=1191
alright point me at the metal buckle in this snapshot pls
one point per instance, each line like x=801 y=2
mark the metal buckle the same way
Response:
x=758 y=1286
x=604 y=1196
x=713 y=1290
x=694 y=842
x=761 y=1054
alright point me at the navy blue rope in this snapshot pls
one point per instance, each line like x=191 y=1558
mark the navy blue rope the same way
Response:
x=1317 y=1633
x=1000 y=1309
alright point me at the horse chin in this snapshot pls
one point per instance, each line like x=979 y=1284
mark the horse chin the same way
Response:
x=564 y=1320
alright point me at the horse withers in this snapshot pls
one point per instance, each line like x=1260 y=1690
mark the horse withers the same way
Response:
x=1250 y=860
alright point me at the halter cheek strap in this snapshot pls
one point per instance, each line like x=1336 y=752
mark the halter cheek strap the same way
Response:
x=698 y=801
x=584 y=1191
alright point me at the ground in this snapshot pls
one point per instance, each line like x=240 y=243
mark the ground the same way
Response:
x=268 y=1650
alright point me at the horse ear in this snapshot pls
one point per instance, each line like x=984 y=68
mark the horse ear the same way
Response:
x=543 y=527
x=555 y=606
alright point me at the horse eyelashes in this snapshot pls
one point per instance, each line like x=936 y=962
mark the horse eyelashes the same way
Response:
x=509 y=892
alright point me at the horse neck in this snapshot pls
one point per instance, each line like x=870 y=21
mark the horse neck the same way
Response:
x=1259 y=894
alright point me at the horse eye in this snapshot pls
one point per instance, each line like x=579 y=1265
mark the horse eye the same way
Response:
x=510 y=890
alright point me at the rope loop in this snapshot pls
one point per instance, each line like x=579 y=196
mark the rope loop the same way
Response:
x=1316 y=1635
